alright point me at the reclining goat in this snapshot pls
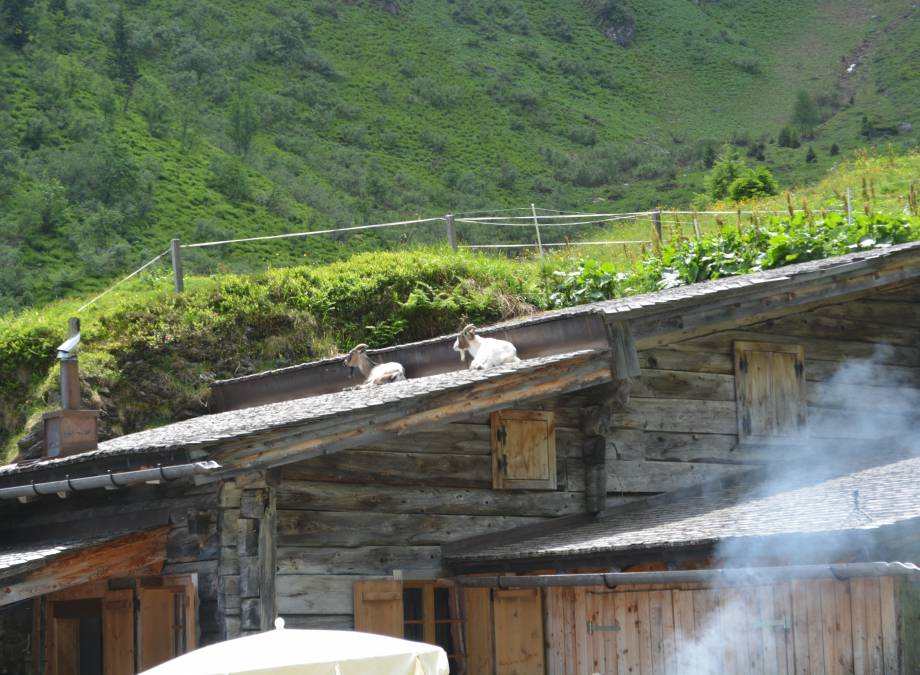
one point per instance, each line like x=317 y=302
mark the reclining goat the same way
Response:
x=374 y=373
x=487 y=352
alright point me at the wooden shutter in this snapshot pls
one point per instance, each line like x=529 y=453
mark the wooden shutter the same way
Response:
x=518 y=631
x=770 y=389
x=167 y=619
x=477 y=605
x=379 y=607
x=118 y=632
x=523 y=450
x=64 y=646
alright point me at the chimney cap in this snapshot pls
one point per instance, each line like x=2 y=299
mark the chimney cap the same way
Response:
x=66 y=348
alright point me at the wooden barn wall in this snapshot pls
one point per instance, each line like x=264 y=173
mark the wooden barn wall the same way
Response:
x=802 y=626
x=192 y=544
x=368 y=511
x=680 y=424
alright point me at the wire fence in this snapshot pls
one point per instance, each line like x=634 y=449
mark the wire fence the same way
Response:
x=524 y=232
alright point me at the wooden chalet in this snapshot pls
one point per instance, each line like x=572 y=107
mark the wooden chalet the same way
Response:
x=603 y=506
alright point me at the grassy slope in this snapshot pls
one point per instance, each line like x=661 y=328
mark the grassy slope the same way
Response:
x=445 y=106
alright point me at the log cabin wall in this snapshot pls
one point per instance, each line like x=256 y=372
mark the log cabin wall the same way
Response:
x=368 y=511
x=680 y=424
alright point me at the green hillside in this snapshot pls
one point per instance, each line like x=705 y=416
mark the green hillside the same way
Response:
x=122 y=126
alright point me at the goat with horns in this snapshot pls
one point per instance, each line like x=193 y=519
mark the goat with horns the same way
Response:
x=487 y=352
x=374 y=373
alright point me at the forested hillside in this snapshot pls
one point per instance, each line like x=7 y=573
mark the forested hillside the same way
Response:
x=125 y=124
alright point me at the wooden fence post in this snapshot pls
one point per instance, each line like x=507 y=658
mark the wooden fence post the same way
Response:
x=451 y=233
x=536 y=224
x=656 y=221
x=176 y=251
x=849 y=207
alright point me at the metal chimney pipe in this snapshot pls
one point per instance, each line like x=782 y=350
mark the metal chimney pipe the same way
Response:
x=70 y=373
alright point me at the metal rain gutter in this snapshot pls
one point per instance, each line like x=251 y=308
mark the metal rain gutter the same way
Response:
x=724 y=576
x=108 y=481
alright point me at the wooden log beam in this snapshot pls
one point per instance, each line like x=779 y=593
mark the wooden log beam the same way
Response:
x=594 y=454
x=119 y=557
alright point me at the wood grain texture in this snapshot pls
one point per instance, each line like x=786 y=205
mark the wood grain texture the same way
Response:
x=378 y=607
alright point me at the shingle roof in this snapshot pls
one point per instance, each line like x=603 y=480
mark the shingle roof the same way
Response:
x=735 y=508
x=21 y=558
x=211 y=430
x=661 y=300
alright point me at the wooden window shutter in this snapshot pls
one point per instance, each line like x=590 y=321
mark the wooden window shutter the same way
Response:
x=518 y=631
x=379 y=607
x=167 y=619
x=477 y=604
x=770 y=389
x=118 y=632
x=523 y=450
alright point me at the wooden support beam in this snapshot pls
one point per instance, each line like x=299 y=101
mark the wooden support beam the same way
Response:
x=623 y=347
x=267 y=557
x=119 y=557
x=594 y=453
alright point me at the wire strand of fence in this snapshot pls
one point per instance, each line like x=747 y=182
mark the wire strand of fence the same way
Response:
x=567 y=216
x=517 y=208
x=120 y=282
x=313 y=233
x=746 y=212
x=556 y=244
x=545 y=224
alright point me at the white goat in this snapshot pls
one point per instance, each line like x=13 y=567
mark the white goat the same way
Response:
x=374 y=373
x=487 y=352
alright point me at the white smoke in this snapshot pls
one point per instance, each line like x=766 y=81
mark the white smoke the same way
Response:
x=864 y=415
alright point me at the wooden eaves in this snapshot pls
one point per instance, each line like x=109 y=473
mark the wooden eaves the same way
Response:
x=139 y=553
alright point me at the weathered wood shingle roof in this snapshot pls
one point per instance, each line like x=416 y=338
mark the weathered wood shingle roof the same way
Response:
x=352 y=415
x=758 y=505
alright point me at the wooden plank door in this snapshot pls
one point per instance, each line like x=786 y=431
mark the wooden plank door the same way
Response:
x=118 y=632
x=518 y=631
x=166 y=620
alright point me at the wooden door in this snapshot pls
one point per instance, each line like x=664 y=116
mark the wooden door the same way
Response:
x=518 y=618
x=118 y=632
x=166 y=619
x=804 y=626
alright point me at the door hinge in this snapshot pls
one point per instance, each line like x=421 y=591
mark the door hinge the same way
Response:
x=502 y=435
x=503 y=464
x=602 y=628
x=782 y=622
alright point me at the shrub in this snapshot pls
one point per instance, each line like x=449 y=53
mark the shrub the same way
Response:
x=753 y=183
x=788 y=138
x=728 y=167
x=805 y=115
x=583 y=135
x=811 y=157
x=230 y=179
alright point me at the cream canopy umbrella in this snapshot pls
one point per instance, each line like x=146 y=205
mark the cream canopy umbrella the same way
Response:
x=309 y=652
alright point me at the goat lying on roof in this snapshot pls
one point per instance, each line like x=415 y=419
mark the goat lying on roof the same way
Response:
x=487 y=352
x=374 y=373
